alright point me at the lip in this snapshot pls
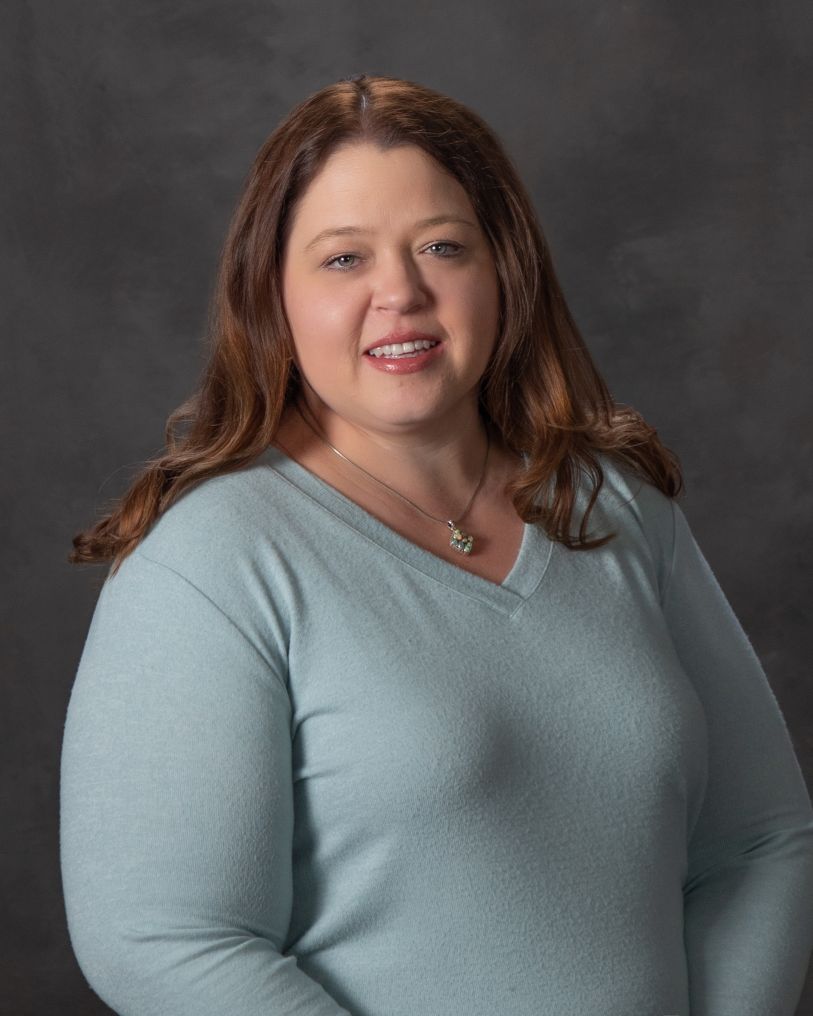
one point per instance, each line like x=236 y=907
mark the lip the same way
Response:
x=411 y=365
x=393 y=337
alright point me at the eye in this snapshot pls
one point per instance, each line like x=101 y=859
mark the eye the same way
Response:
x=333 y=261
x=447 y=243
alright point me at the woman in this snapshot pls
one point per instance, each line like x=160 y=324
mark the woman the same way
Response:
x=409 y=690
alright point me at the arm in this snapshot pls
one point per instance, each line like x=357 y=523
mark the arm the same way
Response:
x=748 y=896
x=177 y=810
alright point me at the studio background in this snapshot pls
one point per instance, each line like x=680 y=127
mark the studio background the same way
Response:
x=669 y=159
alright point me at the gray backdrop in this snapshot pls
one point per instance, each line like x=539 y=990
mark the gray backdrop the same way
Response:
x=670 y=163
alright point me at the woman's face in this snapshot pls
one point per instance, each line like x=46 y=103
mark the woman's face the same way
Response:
x=385 y=270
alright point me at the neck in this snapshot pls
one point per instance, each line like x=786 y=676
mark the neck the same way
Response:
x=439 y=469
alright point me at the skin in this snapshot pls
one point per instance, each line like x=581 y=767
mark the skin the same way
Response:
x=420 y=433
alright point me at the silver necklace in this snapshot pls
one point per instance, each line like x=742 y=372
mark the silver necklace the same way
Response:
x=461 y=541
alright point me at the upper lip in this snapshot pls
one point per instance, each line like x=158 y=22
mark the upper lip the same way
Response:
x=393 y=337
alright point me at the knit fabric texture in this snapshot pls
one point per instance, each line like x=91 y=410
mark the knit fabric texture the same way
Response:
x=310 y=768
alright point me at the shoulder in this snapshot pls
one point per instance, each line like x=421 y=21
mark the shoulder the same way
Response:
x=226 y=537
x=641 y=514
x=214 y=520
x=631 y=496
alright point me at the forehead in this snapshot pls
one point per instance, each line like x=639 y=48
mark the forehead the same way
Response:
x=362 y=180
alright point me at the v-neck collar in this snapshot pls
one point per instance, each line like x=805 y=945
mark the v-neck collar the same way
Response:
x=526 y=574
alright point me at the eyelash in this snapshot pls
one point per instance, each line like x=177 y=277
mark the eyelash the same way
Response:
x=439 y=243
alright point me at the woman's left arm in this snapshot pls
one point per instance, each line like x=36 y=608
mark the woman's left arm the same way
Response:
x=748 y=895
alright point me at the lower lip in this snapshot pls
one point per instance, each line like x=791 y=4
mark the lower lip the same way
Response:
x=407 y=365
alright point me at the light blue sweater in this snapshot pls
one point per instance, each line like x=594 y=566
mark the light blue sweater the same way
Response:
x=312 y=769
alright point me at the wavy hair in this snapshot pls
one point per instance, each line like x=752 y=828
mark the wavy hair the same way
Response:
x=541 y=389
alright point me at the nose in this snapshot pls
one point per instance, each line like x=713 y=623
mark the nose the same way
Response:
x=397 y=284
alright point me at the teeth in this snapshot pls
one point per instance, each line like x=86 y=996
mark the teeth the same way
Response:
x=402 y=347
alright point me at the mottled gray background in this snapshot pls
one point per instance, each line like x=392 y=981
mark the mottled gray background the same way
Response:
x=666 y=149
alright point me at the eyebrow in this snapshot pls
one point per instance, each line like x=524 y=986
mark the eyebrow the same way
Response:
x=435 y=220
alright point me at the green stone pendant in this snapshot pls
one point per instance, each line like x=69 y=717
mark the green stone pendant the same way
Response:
x=460 y=541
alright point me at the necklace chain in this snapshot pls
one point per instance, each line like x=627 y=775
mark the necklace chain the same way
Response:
x=460 y=541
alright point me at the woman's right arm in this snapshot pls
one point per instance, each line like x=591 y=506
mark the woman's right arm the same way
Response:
x=176 y=810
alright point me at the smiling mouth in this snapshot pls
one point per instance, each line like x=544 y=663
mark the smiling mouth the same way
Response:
x=398 y=350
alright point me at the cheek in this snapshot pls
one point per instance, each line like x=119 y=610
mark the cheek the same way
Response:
x=321 y=319
x=491 y=285
x=474 y=290
x=483 y=302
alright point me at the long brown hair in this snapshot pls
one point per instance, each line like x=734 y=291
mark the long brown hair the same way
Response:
x=541 y=390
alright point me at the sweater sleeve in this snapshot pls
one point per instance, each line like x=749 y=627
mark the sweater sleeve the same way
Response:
x=176 y=809
x=748 y=895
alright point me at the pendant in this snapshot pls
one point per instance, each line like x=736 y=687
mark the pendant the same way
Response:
x=460 y=541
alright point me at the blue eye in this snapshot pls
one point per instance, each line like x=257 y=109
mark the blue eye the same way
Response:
x=333 y=263
x=447 y=243
x=330 y=262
